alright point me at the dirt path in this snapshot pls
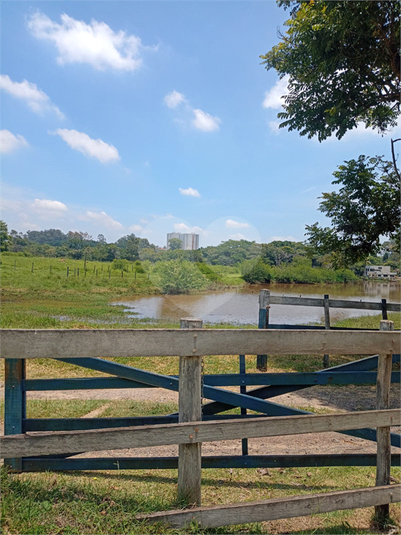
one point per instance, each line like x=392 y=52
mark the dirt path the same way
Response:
x=337 y=399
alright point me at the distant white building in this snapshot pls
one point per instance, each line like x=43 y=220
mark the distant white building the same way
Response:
x=190 y=242
x=379 y=272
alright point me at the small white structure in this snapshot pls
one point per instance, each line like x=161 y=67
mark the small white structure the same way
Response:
x=379 y=272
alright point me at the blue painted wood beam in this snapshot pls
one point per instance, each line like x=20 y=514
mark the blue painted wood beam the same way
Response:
x=33 y=464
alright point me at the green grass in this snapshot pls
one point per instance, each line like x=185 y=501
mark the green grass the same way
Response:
x=108 y=502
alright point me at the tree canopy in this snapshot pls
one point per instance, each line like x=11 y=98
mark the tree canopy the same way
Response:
x=343 y=62
x=366 y=208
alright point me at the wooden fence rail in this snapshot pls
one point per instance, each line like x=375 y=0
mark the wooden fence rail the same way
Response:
x=64 y=343
x=332 y=303
x=29 y=445
x=261 y=511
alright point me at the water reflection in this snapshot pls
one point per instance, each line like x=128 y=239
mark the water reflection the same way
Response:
x=241 y=306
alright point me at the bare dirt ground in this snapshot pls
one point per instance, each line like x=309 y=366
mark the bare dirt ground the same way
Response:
x=333 y=399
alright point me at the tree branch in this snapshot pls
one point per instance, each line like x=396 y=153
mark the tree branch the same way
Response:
x=394 y=159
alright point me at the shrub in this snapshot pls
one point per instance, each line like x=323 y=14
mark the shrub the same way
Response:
x=120 y=264
x=208 y=272
x=259 y=273
x=178 y=277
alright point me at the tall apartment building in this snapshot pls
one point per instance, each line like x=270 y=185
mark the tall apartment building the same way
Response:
x=190 y=242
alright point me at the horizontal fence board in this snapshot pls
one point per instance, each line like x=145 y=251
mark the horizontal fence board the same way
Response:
x=333 y=303
x=35 y=464
x=244 y=513
x=49 y=343
x=75 y=424
x=234 y=379
x=189 y=433
x=85 y=383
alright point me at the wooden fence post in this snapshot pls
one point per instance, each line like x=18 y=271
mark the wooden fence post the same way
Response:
x=264 y=306
x=326 y=326
x=190 y=410
x=14 y=404
x=384 y=309
x=242 y=389
x=383 y=433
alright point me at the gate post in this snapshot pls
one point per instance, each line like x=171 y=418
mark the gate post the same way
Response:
x=190 y=410
x=383 y=384
x=264 y=306
x=326 y=326
x=14 y=404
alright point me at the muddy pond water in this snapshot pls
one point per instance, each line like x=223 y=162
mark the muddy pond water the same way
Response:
x=240 y=306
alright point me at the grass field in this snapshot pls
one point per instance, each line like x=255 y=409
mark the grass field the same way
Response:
x=107 y=502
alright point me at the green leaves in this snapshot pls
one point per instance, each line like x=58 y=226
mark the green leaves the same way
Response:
x=366 y=208
x=344 y=65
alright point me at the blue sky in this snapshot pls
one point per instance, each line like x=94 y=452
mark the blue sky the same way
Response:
x=153 y=117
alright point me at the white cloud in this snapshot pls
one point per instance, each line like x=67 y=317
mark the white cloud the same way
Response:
x=205 y=122
x=104 y=219
x=48 y=209
x=191 y=192
x=9 y=142
x=94 y=148
x=36 y=99
x=174 y=99
x=135 y=228
x=182 y=227
x=273 y=97
x=274 y=126
x=202 y=121
x=95 y=44
x=230 y=223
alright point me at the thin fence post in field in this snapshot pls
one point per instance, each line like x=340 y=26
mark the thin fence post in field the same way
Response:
x=15 y=265
x=50 y=268
x=14 y=404
x=190 y=410
x=77 y=272
x=32 y=268
x=383 y=384
x=68 y=270
x=264 y=306
x=326 y=326
x=384 y=309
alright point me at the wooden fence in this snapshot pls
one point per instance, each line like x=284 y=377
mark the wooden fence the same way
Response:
x=190 y=345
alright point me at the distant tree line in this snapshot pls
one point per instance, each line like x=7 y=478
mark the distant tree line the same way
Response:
x=257 y=262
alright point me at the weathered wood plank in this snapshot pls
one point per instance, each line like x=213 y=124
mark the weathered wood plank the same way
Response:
x=383 y=385
x=47 y=343
x=333 y=303
x=190 y=410
x=264 y=306
x=244 y=513
x=189 y=433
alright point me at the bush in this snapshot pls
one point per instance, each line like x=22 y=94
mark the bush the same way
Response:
x=259 y=273
x=120 y=264
x=208 y=272
x=178 y=277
